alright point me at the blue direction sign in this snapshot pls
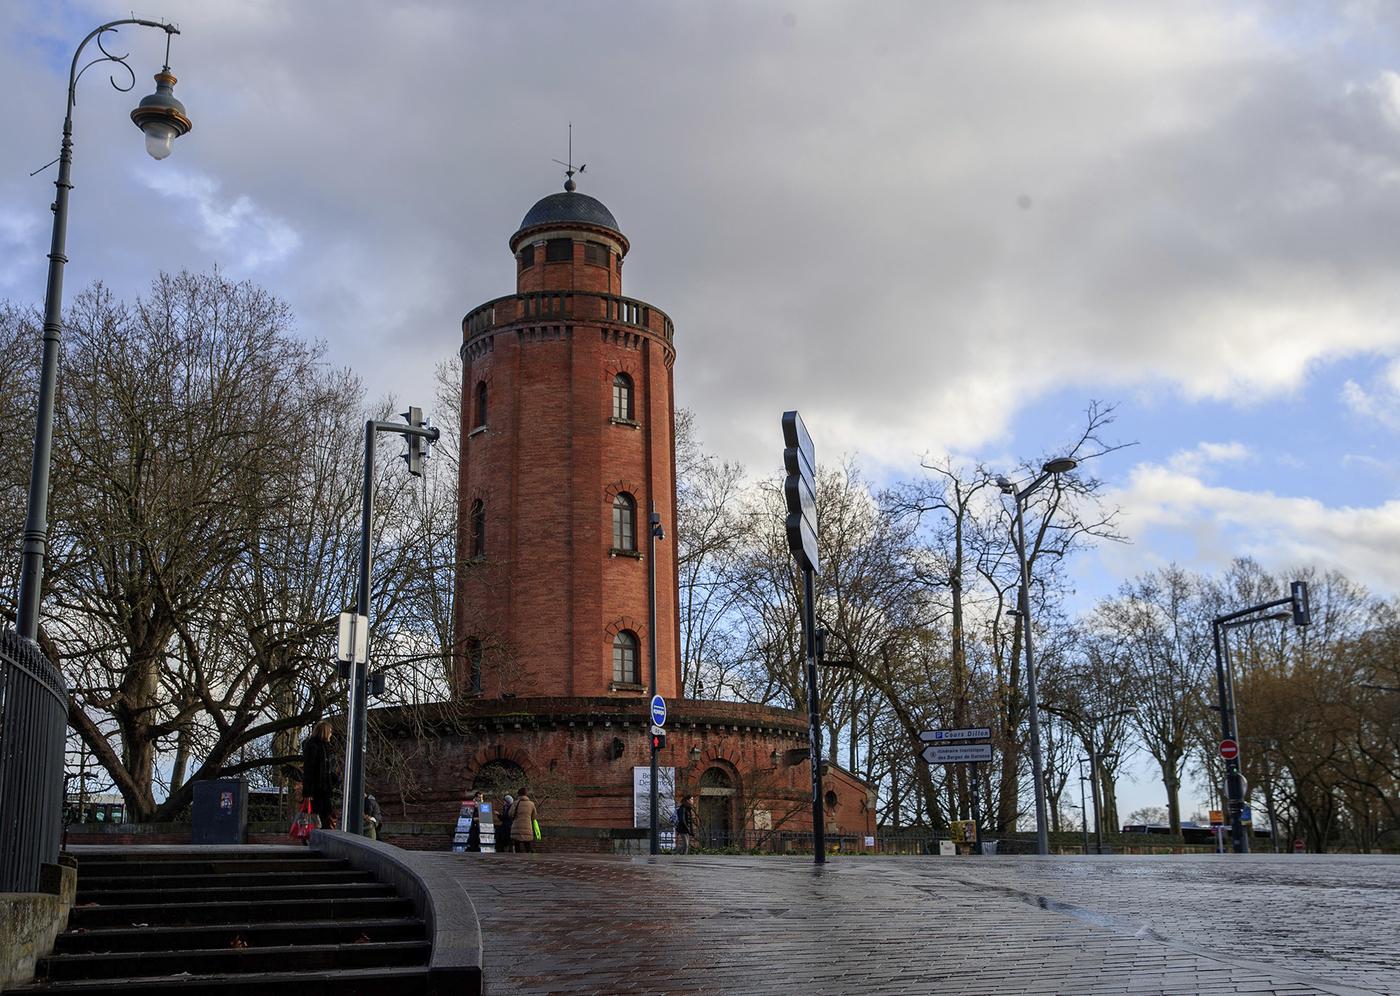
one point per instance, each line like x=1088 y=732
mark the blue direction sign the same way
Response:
x=944 y=736
x=658 y=710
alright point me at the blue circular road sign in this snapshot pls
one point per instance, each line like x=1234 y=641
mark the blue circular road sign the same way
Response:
x=658 y=710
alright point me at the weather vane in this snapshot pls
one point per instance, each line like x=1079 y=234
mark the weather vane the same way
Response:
x=569 y=170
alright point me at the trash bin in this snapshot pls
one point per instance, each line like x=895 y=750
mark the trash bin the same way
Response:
x=989 y=847
x=220 y=811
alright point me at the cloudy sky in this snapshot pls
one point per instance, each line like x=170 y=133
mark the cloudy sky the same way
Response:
x=932 y=227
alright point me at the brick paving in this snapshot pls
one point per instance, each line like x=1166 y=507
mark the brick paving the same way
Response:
x=1067 y=925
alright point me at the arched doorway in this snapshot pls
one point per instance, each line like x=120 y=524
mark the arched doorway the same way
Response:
x=717 y=808
x=499 y=778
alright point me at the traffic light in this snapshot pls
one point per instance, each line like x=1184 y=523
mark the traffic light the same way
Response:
x=1302 y=615
x=417 y=445
x=658 y=741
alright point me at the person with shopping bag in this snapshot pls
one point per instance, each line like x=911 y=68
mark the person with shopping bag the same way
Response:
x=318 y=775
x=523 y=824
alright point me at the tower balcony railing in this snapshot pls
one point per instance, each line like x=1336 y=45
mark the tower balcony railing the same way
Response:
x=578 y=306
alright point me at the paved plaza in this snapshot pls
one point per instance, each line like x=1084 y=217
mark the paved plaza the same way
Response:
x=872 y=925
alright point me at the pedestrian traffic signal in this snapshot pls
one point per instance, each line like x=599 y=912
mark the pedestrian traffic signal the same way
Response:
x=658 y=741
x=1302 y=616
x=417 y=445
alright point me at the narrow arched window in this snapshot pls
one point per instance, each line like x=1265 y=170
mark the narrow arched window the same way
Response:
x=624 y=522
x=480 y=404
x=625 y=658
x=474 y=656
x=478 y=517
x=622 y=397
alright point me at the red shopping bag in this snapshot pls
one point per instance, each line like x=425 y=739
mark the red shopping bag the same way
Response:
x=305 y=822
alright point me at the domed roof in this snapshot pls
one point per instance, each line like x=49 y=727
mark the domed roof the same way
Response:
x=569 y=206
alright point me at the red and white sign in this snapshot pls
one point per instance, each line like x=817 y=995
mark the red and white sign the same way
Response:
x=1229 y=750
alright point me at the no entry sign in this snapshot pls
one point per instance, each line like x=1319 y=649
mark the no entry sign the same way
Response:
x=1229 y=749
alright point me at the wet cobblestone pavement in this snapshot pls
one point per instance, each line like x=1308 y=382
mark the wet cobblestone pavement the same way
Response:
x=1122 y=925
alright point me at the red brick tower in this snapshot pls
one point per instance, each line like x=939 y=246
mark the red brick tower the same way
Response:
x=567 y=439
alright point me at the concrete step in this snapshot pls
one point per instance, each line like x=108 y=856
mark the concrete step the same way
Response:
x=335 y=982
x=152 y=853
x=95 y=883
x=274 y=934
x=210 y=865
x=232 y=894
x=178 y=914
x=228 y=961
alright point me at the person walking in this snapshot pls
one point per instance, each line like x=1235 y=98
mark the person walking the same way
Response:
x=374 y=816
x=685 y=825
x=474 y=835
x=522 y=823
x=318 y=772
x=503 y=842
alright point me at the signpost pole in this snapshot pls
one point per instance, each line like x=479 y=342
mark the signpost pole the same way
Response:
x=653 y=520
x=800 y=492
x=814 y=727
x=1094 y=791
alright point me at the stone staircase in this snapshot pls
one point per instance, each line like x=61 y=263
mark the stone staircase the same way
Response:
x=270 y=920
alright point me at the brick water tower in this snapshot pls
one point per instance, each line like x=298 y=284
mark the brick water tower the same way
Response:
x=567 y=431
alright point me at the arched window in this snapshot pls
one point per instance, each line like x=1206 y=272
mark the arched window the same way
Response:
x=474 y=655
x=625 y=658
x=480 y=404
x=622 y=397
x=499 y=778
x=624 y=522
x=478 y=529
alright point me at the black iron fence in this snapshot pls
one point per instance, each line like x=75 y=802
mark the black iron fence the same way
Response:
x=33 y=728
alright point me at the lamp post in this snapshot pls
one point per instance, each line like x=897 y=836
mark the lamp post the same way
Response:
x=1052 y=468
x=1083 y=810
x=654 y=533
x=163 y=119
x=1297 y=601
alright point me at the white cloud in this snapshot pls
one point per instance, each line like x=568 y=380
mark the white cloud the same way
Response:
x=1221 y=523
x=1381 y=406
x=242 y=234
x=1204 y=455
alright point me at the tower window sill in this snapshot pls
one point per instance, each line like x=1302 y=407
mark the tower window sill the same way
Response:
x=626 y=421
x=478 y=431
x=615 y=552
x=626 y=686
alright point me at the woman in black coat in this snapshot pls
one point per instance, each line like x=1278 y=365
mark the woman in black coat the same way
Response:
x=318 y=772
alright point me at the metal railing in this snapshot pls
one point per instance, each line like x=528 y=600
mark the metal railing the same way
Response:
x=33 y=728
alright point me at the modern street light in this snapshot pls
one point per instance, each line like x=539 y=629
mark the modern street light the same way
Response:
x=1083 y=810
x=163 y=119
x=1299 y=612
x=654 y=533
x=1052 y=468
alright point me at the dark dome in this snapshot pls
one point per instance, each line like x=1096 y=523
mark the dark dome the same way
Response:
x=569 y=206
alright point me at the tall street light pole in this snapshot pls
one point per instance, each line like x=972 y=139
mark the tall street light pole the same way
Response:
x=654 y=533
x=421 y=436
x=1060 y=465
x=163 y=119
x=1297 y=601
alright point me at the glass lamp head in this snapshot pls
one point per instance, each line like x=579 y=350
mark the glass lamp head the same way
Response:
x=161 y=116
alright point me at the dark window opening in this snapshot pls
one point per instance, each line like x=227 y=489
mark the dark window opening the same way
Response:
x=559 y=251
x=622 y=397
x=474 y=655
x=595 y=253
x=624 y=522
x=625 y=658
x=478 y=529
x=527 y=257
x=480 y=403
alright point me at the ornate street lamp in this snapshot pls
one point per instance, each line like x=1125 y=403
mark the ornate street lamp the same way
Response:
x=163 y=119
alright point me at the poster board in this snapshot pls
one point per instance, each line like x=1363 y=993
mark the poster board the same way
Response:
x=468 y=814
x=488 y=828
x=462 y=833
x=666 y=803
